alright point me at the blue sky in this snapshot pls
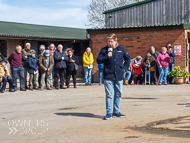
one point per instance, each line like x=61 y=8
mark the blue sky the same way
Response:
x=65 y=13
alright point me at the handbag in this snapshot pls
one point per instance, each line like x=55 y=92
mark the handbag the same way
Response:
x=76 y=67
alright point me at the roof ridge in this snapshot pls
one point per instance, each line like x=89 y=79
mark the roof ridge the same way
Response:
x=40 y=25
x=127 y=6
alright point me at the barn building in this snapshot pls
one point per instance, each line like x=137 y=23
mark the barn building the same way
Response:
x=148 y=23
x=13 y=34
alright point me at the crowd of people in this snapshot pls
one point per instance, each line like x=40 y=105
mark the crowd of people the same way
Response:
x=53 y=62
x=62 y=64
x=156 y=64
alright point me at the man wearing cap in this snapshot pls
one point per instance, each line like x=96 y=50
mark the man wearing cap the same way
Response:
x=112 y=56
x=46 y=63
x=5 y=77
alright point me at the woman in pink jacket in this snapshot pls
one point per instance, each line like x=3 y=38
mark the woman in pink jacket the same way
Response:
x=163 y=60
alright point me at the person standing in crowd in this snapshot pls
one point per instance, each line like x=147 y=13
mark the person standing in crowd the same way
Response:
x=42 y=50
x=100 y=69
x=33 y=70
x=88 y=61
x=112 y=57
x=72 y=60
x=154 y=54
x=149 y=63
x=5 y=77
x=46 y=62
x=137 y=70
x=128 y=76
x=52 y=49
x=60 y=58
x=171 y=53
x=15 y=60
x=25 y=54
x=163 y=60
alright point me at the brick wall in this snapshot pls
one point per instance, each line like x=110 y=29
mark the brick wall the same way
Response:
x=139 y=42
x=12 y=43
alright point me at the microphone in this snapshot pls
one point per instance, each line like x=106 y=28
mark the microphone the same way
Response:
x=110 y=49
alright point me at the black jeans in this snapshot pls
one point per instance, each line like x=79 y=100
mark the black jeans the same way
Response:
x=133 y=76
x=59 y=73
x=68 y=76
x=5 y=80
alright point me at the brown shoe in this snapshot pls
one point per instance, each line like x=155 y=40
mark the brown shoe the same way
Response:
x=23 y=89
x=15 y=90
x=126 y=82
x=49 y=88
x=41 y=89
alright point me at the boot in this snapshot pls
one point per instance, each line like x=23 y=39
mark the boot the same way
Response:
x=75 y=86
x=126 y=82
x=35 y=87
x=138 y=82
x=132 y=82
x=67 y=86
x=30 y=87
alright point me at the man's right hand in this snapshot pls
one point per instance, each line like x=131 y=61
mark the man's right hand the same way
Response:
x=109 y=54
x=160 y=66
x=26 y=57
x=45 y=69
x=62 y=58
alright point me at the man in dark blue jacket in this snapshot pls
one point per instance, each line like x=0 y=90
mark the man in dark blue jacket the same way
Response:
x=60 y=59
x=171 y=53
x=112 y=57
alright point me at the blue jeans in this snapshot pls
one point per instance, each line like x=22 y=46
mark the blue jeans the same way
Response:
x=128 y=75
x=111 y=85
x=100 y=75
x=20 y=71
x=151 y=76
x=87 y=75
x=164 y=75
x=53 y=76
x=170 y=68
x=5 y=80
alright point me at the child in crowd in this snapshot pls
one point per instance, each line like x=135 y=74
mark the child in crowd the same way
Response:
x=137 y=70
x=33 y=70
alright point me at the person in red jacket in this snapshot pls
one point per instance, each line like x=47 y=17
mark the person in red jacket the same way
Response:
x=137 y=70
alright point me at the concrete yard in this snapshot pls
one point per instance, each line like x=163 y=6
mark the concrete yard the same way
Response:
x=156 y=114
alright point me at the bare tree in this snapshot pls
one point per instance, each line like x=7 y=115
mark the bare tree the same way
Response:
x=96 y=8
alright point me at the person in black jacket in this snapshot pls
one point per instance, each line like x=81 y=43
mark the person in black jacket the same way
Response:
x=72 y=60
x=25 y=54
x=60 y=59
x=112 y=56
x=171 y=53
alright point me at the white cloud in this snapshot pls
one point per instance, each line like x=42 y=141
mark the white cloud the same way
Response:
x=70 y=17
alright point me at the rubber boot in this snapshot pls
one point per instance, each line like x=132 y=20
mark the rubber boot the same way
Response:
x=132 y=82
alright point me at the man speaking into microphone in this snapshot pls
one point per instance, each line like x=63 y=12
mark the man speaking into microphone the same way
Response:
x=112 y=56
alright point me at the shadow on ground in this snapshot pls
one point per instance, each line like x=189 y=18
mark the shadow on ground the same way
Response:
x=185 y=104
x=139 y=98
x=87 y=115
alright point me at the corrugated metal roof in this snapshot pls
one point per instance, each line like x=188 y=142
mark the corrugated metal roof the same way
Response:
x=128 y=6
x=40 y=31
